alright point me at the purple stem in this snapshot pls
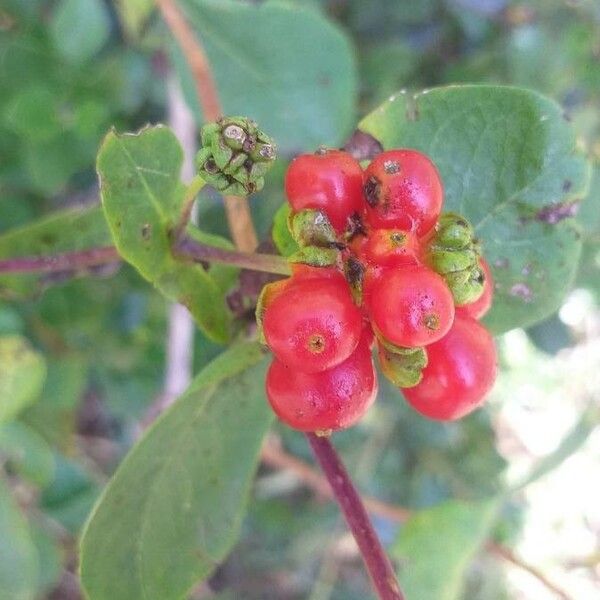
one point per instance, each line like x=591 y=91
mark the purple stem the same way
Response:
x=190 y=249
x=185 y=249
x=377 y=563
x=69 y=261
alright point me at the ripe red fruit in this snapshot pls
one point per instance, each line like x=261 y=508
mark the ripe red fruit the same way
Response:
x=330 y=181
x=460 y=372
x=332 y=399
x=480 y=307
x=403 y=190
x=391 y=248
x=313 y=324
x=410 y=307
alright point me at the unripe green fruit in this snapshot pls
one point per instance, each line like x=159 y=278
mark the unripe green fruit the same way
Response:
x=235 y=155
x=454 y=253
x=454 y=231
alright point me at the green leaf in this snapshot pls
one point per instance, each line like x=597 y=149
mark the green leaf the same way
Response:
x=173 y=510
x=280 y=233
x=436 y=546
x=33 y=113
x=134 y=15
x=22 y=374
x=509 y=163
x=18 y=564
x=142 y=197
x=27 y=452
x=54 y=415
x=49 y=559
x=79 y=29
x=71 y=495
x=67 y=230
x=285 y=66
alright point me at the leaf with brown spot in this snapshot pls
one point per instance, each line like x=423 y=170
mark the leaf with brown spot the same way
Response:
x=504 y=155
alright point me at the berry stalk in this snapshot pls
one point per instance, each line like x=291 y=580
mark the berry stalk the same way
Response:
x=187 y=248
x=377 y=563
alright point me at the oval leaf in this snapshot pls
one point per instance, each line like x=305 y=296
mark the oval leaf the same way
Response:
x=436 y=546
x=22 y=375
x=284 y=65
x=174 y=508
x=27 y=452
x=18 y=560
x=508 y=161
x=142 y=197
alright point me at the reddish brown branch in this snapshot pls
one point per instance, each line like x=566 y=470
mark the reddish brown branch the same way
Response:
x=377 y=563
x=268 y=263
x=68 y=261
x=185 y=249
x=206 y=88
x=239 y=217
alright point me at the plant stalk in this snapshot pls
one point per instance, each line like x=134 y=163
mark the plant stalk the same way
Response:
x=187 y=248
x=183 y=249
x=68 y=261
x=378 y=565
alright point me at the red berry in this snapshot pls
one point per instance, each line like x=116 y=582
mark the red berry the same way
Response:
x=410 y=307
x=460 y=372
x=313 y=324
x=403 y=190
x=304 y=271
x=480 y=307
x=391 y=248
x=330 y=181
x=332 y=399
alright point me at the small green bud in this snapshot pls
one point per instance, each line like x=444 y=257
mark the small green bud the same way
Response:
x=450 y=261
x=234 y=136
x=311 y=227
x=235 y=155
x=315 y=257
x=454 y=253
x=468 y=287
x=402 y=366
x=453 y=231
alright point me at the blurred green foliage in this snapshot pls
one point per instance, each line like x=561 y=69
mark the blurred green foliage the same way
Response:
x=70 y=70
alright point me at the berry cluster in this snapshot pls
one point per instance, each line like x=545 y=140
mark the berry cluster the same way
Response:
x=378 y=265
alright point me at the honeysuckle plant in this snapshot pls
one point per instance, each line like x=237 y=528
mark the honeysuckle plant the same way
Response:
x=503 y=250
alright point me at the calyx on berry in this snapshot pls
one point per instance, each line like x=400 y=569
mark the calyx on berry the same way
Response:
x=402 y=366
x=310 y=227
x=454 y=253
x=479 y=308
x=235 y=155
